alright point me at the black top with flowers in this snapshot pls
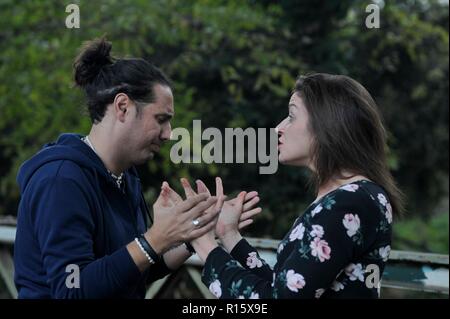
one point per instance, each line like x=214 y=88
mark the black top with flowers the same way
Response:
x=337 y=249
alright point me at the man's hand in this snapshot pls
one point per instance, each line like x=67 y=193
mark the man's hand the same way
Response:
x=174 y=219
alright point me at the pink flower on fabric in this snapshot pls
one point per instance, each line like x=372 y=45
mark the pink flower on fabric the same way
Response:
x=355 y=272
x=388 y=213
x=253 y=261
x=319 y=293
x=384 y=252
x=316 y=210
x=297 y=232
x=382 y=199
x=294 y=280
x=215 y=288
x=351 y=223
x=317 y=231
x=320 y=249
x=350 y=187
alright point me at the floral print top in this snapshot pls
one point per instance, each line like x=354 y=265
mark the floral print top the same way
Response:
x=337 y=249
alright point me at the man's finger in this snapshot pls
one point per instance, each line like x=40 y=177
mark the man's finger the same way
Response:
x=201 y=187
x=200 y=209
x=187 y=204
x=203 y=230
x=173 y=195
x=163 y=198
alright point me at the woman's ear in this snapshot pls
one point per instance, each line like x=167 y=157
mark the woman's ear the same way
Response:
x=121 y=106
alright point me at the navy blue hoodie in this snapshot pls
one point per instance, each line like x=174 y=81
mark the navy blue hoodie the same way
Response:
x=72 y=215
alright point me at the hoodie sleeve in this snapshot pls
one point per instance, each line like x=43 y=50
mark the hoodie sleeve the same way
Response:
x=64 y=228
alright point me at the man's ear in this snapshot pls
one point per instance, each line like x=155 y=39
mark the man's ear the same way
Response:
x=122 y=104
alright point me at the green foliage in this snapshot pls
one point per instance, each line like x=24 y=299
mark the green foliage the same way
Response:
x=423 y=235
x=233 y=63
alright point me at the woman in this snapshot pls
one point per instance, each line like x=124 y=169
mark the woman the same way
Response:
x=339 y=246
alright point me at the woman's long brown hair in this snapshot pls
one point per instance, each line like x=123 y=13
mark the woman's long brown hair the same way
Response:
x=348 y=132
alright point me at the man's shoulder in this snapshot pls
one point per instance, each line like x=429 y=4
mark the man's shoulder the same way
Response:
x=63 y=169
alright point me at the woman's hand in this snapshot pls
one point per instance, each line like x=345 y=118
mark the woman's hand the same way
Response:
x=233 y=217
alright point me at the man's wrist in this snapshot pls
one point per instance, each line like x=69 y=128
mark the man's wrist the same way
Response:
x=155 y=240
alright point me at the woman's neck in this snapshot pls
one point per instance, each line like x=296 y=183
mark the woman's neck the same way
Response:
x=335 y=183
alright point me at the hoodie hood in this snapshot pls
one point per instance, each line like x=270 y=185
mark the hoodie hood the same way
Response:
x=68 y=146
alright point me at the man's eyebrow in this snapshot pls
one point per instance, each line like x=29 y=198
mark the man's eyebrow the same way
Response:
x=165 y=114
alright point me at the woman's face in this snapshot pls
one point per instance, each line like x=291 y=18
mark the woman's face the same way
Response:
x=295 y=139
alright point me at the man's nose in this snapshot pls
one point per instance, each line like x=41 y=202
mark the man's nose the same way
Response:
x=166 y=132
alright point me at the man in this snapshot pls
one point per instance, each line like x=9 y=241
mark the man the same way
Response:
x=81 y=229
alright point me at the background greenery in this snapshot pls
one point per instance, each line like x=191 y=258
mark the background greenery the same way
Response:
x=234 y=64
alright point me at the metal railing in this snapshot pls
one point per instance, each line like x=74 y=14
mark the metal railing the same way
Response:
x=409 y=273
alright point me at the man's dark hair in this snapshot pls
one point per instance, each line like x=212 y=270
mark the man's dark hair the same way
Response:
x=102 y=76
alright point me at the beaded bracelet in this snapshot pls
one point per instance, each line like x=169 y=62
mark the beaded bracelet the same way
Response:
x=150 y=260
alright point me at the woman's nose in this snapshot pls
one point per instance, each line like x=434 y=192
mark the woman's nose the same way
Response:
x=280 y=127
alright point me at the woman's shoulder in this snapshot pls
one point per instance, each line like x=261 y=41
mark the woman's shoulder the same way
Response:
x=363 y=197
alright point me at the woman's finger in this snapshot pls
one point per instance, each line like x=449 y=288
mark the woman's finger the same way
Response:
x=245 y=223
x=188 y=191
x=250 y=204
x=219 y=187
x=250 y=195
x=250 y=214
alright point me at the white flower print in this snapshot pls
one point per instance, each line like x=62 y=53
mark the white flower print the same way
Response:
x=384 y=252
x=280 y=248
x=350 y=187
x=297 y=232
x=351 y=223
x=241 y=297
x=317 y=231
x=320 y=249
x=253 y=261
x=294 y=280
x=355 y=272
x=254 y=295
x=388 y=213
x=319 y=292
x=382 y=199
x=215 y=288
x=336 y=286
x=316 y=210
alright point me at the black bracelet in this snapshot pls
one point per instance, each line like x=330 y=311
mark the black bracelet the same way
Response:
x=190 y=248
x=148 y=248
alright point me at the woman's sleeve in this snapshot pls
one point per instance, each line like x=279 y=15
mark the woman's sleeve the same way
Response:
x=320 y=248
x=249 y=258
